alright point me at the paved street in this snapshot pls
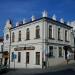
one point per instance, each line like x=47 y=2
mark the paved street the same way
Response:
x=40 y=72
x=58 y=70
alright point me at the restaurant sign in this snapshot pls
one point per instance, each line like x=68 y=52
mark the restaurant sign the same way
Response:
x=24 y=48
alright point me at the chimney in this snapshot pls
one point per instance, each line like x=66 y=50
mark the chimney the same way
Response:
x=17 y=24
x=54 y=17
x=24 y=21
x=62 y=20
x=33 y=18
x=44 y=14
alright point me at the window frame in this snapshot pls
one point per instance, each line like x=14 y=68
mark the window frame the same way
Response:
x=19 y=36
x=37 y=58
x=27 y=34
x=37 y=32
x=19 y=57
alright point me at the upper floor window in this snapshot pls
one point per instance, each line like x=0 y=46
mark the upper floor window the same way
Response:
x=27 y=34
x=13 y=37
x=37 y=32
x=59 y=37
x=50 y=32
x=19 y=38
x=7 y=37
x=66 y=35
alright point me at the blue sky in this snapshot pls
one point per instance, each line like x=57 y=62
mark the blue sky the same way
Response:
x=17 y=10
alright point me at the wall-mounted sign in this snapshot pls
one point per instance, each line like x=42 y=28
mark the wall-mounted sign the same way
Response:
x=24 y=48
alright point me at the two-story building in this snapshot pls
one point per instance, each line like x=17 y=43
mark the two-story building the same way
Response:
x=31 y=43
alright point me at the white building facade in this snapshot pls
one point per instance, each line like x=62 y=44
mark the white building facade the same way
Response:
x=37 y=41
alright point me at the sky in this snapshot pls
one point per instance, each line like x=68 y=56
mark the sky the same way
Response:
x=17 y=10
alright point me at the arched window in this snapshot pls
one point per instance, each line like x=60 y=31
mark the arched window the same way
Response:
x=27 y=34
x=13 y=37
x=19 y=38
x=37 y=32
x=7 y=36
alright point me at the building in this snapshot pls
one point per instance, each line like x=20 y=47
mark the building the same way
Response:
x=29 y=44
x=1 y=49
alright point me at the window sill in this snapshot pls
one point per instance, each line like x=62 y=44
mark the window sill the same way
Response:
x=37 y=38
x=60 y=40
x=66 y=41
x=52 y=38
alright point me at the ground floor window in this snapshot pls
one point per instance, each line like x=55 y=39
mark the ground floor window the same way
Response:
x=50 y=51
x=60 y=51
x=27 y=57
x=19 y=56
x=37 y=58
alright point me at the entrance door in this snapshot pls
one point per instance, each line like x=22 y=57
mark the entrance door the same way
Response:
x=27 y=58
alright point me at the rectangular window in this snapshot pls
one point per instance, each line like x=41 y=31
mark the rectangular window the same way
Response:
x=60 y=51
x=27 y=57
x=19 y=56
x=37 y=58
x=37 y=32
x=50 y=32
x=59 y=37
x=13 y=37
x=65 y=35
x=19 y=38
x=50 y=51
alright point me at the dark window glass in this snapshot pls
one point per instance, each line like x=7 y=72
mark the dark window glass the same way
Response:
x=50 y=51
x=27 y=57
x=60 y=51
x=19 y=56
x=65 y=35
x=27 y=34
x=13 y=37
x=59 y=34
x=37 y=32
x=19 y=38
x=38 y=58
x=7 y=37
x=50 y=32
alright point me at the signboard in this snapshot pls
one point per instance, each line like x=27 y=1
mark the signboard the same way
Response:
x=14 y=56
x=24 y=48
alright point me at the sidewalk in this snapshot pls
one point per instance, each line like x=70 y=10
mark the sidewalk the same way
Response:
x=61 y=67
